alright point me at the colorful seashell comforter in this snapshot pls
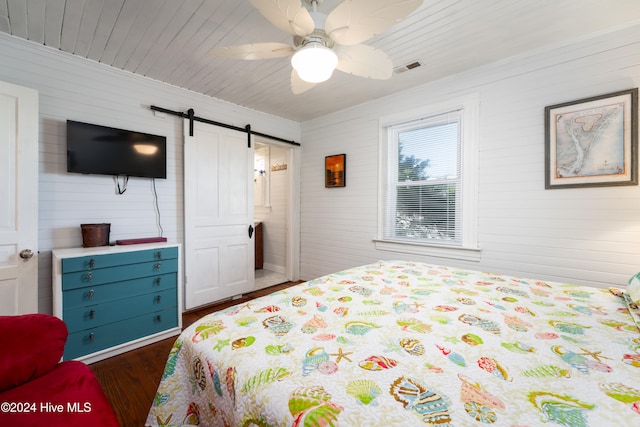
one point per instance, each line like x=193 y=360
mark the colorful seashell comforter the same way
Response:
x=409 y=344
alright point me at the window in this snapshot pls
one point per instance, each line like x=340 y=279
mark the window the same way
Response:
x=429 y=181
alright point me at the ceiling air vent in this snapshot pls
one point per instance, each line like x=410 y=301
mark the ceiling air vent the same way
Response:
x=407 y=67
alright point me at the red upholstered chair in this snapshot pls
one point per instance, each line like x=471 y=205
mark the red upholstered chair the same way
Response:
x=36 y=389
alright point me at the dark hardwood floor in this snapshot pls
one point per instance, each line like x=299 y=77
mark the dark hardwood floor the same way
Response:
x=130 y=380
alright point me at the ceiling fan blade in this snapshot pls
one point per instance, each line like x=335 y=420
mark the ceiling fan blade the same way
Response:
x=364 y=61
x=254 y=51
x=298 y=85
x=288 y=15
x=355 y=21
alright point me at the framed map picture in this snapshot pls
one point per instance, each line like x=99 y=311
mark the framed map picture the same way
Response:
x=335 y=168
x=592 y=142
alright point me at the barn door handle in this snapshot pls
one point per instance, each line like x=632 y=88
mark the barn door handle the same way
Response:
x=250 y=231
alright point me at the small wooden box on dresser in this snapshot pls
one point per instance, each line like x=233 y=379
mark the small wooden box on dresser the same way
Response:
x=117 y=298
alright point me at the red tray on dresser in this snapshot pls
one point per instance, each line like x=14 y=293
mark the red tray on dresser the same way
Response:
x=141 y=240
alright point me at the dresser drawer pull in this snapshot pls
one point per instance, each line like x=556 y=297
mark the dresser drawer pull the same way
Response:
x=157 y=281
x=158 y=318
x=159 y=255
x=92 y=263
x=89 y=277
x=92 y=314
x=90 y=294
x=91 y=337
x=158 y=265
x=157 y=298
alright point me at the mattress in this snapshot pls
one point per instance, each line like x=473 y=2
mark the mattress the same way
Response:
x=398 y=343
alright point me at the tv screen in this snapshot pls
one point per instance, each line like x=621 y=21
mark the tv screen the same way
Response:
x=94 y=149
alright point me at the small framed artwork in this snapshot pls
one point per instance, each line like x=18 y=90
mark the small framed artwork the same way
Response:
x=592 y=142
x=335 y=169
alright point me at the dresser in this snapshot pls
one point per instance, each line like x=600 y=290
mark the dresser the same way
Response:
x=117 y=298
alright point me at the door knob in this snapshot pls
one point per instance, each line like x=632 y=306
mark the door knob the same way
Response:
x=26 y=254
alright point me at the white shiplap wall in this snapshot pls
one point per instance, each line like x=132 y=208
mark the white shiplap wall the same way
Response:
x=589 y=235
x=83 y=90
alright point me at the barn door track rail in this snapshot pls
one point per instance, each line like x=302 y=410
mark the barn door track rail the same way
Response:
x=190 y=114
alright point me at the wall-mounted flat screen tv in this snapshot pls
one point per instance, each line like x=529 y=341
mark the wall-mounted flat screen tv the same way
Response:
x=94 y=149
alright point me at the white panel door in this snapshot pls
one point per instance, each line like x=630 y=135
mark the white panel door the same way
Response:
x=218 y=193
x=18 y=199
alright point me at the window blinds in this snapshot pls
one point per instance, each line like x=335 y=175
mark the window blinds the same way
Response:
x=424 y=186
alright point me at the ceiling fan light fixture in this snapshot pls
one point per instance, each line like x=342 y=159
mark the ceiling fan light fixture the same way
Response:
x=314 y=62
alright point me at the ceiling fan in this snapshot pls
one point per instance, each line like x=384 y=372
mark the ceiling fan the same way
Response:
x=322 y=43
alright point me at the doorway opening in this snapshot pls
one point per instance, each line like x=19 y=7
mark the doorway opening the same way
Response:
x=273 y=213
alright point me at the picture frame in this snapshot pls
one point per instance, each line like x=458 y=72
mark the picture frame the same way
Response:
x=335 y=168
x=592 y=142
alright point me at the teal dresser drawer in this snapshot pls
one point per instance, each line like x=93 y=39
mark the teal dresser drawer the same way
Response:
x=81 y=279
x=91 y=316
x=93 y=262
x=117 y=298
x=92 y=295
x=102 y=337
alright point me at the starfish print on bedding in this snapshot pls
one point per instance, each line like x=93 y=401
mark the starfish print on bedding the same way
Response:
x=248 y=306
x=342 y=355
x=453 y=340
x=221 y=344
x=595 y=354
x=392 y=346
x=418 y=305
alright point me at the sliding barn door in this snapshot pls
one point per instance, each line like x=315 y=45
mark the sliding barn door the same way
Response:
x=218 y=192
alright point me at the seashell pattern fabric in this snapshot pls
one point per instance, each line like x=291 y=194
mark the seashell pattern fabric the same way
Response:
x=398 y=343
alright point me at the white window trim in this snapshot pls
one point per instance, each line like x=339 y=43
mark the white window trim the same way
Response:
x=469 y=250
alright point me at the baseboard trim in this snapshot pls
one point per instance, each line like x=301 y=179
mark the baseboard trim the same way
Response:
x=275 y=268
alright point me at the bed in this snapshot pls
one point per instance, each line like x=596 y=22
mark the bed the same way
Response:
x=399 y=343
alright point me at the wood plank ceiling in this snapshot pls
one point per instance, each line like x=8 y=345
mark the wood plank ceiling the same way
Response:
x=170 y=41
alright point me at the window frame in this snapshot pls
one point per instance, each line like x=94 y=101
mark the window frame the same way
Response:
x=468 y=248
